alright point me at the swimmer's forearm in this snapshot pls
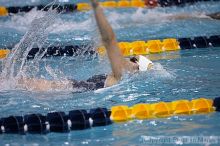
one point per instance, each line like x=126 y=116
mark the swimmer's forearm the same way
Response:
x=105 y=29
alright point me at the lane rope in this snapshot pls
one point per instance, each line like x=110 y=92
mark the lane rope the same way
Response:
x=4 y=11
x=139 y=47
x=84 y=119
x=165 y=45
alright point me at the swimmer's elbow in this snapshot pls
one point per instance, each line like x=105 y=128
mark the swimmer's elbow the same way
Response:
x=108 y=38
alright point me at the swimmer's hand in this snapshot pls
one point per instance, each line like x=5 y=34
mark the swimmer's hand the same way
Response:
x=94 y=3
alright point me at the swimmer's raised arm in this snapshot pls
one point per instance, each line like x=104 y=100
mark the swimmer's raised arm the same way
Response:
x=109 y=41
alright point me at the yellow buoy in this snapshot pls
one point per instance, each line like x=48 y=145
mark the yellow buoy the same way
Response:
x=83 y=6
x=137 y=3
x=124 y=4
x=3 y=11
x=109 y=4
x=154 y=46
x=120 y=113
x=170 y=45
x=4 y=53
x=139 y=48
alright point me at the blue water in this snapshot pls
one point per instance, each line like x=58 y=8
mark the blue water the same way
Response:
x=186 y=74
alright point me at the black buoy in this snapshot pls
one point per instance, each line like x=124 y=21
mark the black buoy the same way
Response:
x=58 y=122
x=36 y=123
x=216 y=103
x=100 y=116
x=79 y=119
x=13 y=124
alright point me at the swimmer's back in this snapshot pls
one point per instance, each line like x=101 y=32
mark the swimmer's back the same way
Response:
x=93 y=83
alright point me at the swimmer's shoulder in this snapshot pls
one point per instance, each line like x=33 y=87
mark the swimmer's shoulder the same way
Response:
x=110 y=80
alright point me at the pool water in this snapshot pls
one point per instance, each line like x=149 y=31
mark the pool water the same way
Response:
x=188 y=74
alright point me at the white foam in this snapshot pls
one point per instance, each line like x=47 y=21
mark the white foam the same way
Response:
x=101 y=90
x=22 y=22
x=117 y=19
x=159 y=71
x=139 y=17
x=61 y=26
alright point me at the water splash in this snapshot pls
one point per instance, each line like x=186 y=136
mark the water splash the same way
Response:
x=159 y=71
x=15 y=65
x=36 y=35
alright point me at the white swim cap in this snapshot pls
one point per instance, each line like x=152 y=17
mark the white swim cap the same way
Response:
x=144 y=63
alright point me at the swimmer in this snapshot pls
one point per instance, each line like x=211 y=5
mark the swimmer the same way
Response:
x=199 y=15
x=214 y=15
x=119 y=64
